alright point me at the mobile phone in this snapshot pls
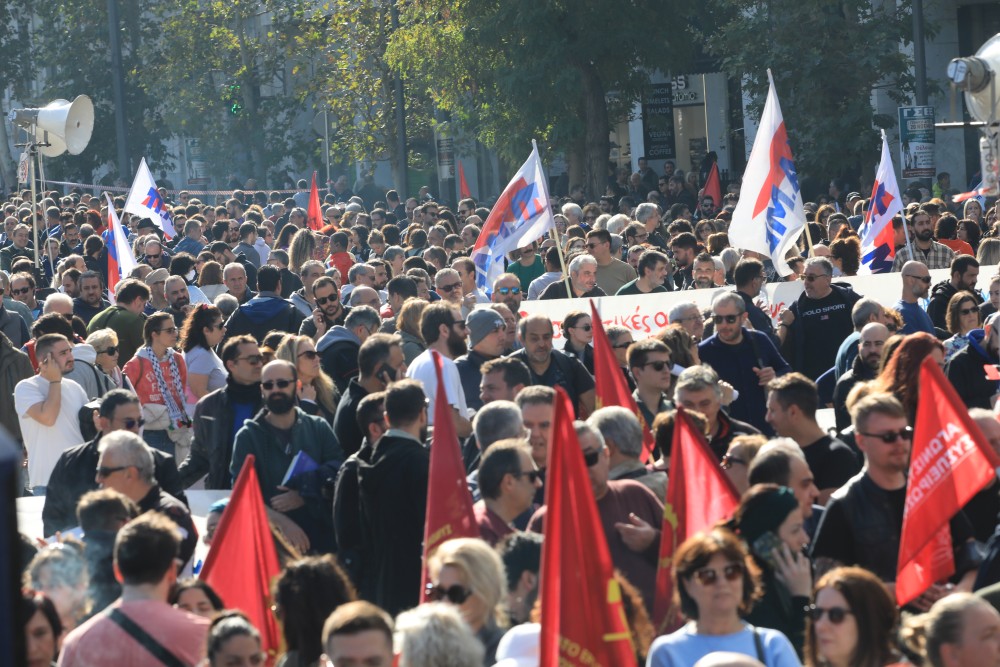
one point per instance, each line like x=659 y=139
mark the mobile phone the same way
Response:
x=764 y=547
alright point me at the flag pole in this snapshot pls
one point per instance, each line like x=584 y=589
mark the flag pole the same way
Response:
x=554 y=235
x=809 y=240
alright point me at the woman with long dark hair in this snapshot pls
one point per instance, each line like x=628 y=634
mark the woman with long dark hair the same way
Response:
x=202 y=332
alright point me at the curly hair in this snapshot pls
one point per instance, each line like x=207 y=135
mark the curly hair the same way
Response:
x=193 y=332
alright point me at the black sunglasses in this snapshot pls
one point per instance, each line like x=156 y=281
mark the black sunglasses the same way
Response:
x=105 y=471
x=658 y=365
x=509 y=290
x=111 y=351
x=836 y=614
x=309 y=354
x=455 y=594
x=623 y=346
x=252 y=359
x=532 y=475
x=708 y=576
x=323 y=300
x=969 y=311
x=281 y=384
x=591 y=458
x=585 y=327
x=890 y=437
x=448 y=288
x=134 y=423
x=728 y=319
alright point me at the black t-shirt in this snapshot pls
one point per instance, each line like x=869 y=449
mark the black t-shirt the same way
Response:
x=564 y=371
x=831 y=461
x=632 y=288
x=557 y=290
x=823 y=324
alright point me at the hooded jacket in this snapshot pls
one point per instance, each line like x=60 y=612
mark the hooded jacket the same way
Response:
x=265 y=312
x=338 y=349
x=14 y=367
x=298 y=300
x=937 y=306
x=965 y=372
x=95 y=382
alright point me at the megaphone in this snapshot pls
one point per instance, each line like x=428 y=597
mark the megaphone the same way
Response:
x=60 y=125
x=977 y=76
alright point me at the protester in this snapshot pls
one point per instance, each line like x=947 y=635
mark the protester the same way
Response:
x=358 y=633
x=42 y=629
x=698 y=388
x=623 y=435
x=550 y=367
x=738 y=459
x=582 y=281
x=125 y=317
x=444 y=331
x=961 y=319
x=201 y=334
x=864 y=368
x=958 y=631
x=964 y=276
x=233 y=640
x=339 y=346
x=435 y=635
x=487 y=338
x=60 y=573
x=316 y=390
x=508 y=481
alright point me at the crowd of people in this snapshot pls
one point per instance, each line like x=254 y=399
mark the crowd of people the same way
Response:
x=253 y=333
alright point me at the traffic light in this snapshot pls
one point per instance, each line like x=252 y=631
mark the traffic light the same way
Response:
x=233 y=99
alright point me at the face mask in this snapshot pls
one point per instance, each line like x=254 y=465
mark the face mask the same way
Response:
x=189 y=276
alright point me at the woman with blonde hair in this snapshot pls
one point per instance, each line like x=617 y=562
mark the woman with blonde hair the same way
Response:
x=469 y=574
x=301 y=250
x=408 y=327
x=988 y=253
x=316 y=390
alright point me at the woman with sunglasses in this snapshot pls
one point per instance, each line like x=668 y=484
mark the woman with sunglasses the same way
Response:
x=961 y=630
x=105 y=344
x=769 y=520
x=851 y=622
x=578 y=332
x=159 y=375
x=317 y=394
x=715 y=586
x=962 y=317
x=202 y=332
x=470 y=575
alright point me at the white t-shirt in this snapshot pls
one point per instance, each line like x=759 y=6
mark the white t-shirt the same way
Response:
x=422 y=369
x=46 y=443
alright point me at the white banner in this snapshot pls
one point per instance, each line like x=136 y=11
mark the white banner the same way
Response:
x=647 y=314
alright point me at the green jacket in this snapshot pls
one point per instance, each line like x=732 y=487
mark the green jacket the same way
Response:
x=126 y=324
x=315 y=437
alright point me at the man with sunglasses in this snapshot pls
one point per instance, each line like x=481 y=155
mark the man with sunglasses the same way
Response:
x=507 y=290
x=744 y=358
x=916 y=284
x=529 y=264
x=275 y=436
x=649 y=362
x=472 y=294
x=508 y=482
x=863 y=519
x=612 y=273
x=964 y=276
x=73 y=474
x=487 y=337
x=328 y=312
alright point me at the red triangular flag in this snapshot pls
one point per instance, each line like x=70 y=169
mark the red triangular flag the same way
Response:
x=243 y=560
x=698 y=495
x=463 y=185
x=583 y=622
x=713 y=187
x=449 y=503
x=951 y=461
x=611 y=388
x=314 y=216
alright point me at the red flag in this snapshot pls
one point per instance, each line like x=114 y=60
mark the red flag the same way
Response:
x=698 y=495
x=314 y=216
x=611 y=388
x=243 y=561
x=713 y=187
x=463 y=185
x=583 y=622
x=951 y=461
x=449 y=503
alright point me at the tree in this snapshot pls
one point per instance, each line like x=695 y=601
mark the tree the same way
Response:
x=827 y=58
x=14 y=46
x=516 y=70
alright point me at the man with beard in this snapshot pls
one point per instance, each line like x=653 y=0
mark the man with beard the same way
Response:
x=507 y=290
x=964 y=276
x=339 y=347
x=745 y=359
x=923 y=247
x=302 y=297
x=90 y=302
x=327 y=314
x=178 y=299
x=703 y=273
x=863 y=369
x=916 y=284
x=551 y=367
x=443 y=330
x=275 y=436
x=582 y=278
x=393 y=496
x=487 y=337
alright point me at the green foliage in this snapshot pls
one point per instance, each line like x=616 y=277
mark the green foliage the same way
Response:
x=518 y=70
x=827 y=58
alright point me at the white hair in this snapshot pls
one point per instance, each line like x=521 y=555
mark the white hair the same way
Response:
x=435 y=635
x=570 y=208
x=58 y=297
x=618 y=223
x=580 y=261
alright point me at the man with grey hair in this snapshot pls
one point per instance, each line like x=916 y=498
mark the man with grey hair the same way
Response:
x=622 y=434
x=235 y=278
x=358 y=275
x=582 y=278
x=648 y=215
x=395 y=255
x=630 y=514
x=865 y=312
x=365 y=296
x=126 y=465
x=496 y=421
x=339 y=347
x=688 y=315
x=744 y=358
x=448 y=285
x=573 y=213
x=812 y=329
x=191 y=243
x=698 y=389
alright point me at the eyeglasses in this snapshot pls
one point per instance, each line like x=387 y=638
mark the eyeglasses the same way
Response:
x=148 y=256
x=323 y=300
x=810 y=277
x=105 y=471
x=924 y=279
x=657 y=365
x=281 y=384
x=708 y=576
x=253 y=359
x=728 y=461
x=448 y=288
x=134 y=423
x=454 y=594
x=110 y=351
x=591 y=458
x=835 y=614
x=585 y=327
x=168 y=330
x=728 y=319
x=969 y=311
x=509 y=290
x=309 y=354
x=532 y=475
x=20 y=291
x=890 y=437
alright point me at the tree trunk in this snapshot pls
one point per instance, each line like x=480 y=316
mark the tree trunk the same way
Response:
x=598 y=143
x=576 y=162
x=7 y=170
x=249 y=89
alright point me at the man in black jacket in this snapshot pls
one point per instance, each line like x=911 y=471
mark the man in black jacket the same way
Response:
x=749 y=277
x=380 y=362
x=265 y=312
x=964 y=276
x=393 y=492
x=221 y=413
x=74 y=471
